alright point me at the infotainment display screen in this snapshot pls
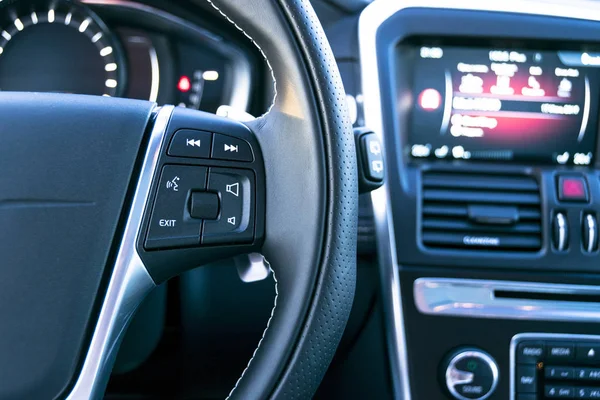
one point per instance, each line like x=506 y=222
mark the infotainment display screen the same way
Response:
x=504 y=104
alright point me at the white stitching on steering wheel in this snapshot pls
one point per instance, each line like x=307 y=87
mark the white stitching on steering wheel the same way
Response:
x=270 y=107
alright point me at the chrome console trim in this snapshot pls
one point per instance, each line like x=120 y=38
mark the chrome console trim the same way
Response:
x=370 y=20
x=129 y=283
x=391 y=294
x=537 y=336
x=476 y=298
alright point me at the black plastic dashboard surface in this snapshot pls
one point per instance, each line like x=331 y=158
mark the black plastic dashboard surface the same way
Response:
x=405 y=176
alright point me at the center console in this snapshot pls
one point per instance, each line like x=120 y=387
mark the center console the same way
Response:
x=488 y=222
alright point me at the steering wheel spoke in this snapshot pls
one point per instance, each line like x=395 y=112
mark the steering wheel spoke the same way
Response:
x=95 y=211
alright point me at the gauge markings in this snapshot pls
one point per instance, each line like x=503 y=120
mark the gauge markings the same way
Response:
x=210 y=75
x=106 y=51
x=107 y=76
x=96 y=37
x=19 y=25
x=84 y=25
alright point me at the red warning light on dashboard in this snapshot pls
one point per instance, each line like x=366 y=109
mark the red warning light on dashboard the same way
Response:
x=184 y=84
x=430 y=99
x=572 y=188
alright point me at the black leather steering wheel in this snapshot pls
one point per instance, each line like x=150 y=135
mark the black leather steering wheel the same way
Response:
x=81 y=183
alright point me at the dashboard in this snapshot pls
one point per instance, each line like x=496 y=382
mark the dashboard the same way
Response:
x=119 y=48
x=487 y=226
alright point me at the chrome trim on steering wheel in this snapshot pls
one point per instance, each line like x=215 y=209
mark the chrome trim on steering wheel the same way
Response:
x=129 y=283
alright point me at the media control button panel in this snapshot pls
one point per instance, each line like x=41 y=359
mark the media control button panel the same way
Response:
x=194 y=143
x=207 y=198
x=555 y=366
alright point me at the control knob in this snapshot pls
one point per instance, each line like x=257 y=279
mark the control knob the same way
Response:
x=470 y=374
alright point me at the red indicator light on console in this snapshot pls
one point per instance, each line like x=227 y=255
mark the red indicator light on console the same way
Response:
x=430 y=99
x=572 y=189
x=184 y=84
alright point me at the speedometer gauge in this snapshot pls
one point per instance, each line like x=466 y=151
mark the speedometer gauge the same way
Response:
x=57 y=46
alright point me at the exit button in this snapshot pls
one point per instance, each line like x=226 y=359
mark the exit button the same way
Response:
x=572 y=188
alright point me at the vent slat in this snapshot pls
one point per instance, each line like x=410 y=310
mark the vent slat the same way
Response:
x=498 y=242
x=530 y=214
x=445 y=209
x=485 y=197
x=451 y=210
x=439 y=180
x=462 y=225
x=449 y=200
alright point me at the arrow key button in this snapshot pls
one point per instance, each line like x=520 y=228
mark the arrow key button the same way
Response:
x=588 y=352
x=231 y=149
x=190 y=143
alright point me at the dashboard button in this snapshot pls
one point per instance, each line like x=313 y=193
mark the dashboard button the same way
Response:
x=587 y=393
x=559 y=392
x=560 y=351
x=572 y=188
x=587 y=374
x=560 y=373
x=589 y=234
x=232 y=149
x=560 y=232
x=470 y=374
x=372 y=157
x=204 y=205
x=588 y=352
x=170 y=223
x=526 y=379
x=235 y=223
x=190 y=143
x=530 y=352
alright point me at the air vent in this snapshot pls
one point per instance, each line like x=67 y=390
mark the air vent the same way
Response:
x=481 y=212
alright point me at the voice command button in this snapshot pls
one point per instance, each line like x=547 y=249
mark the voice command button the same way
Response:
x=170 y=224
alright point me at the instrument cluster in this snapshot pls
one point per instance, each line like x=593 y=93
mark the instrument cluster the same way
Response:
x=123 y=49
